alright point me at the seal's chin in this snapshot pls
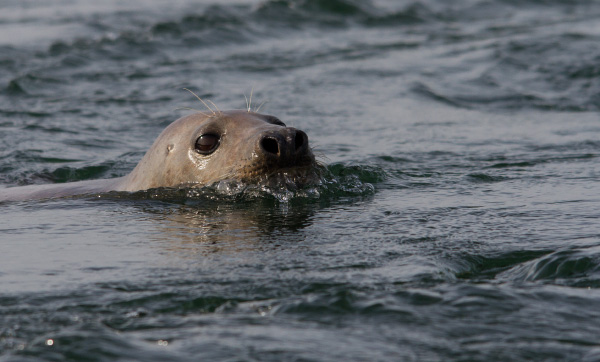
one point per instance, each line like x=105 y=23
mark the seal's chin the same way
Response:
x=290 y=177
x=294 y=174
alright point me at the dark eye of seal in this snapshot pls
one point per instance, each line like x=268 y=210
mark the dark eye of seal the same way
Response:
x=207 y=143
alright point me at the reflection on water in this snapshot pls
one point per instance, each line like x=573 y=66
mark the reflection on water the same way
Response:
x=233 y=216
x=231 y=227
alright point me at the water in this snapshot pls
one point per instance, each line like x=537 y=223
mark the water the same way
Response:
x=461 y=139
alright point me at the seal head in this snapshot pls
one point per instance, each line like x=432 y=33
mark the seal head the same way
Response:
x=203 y=149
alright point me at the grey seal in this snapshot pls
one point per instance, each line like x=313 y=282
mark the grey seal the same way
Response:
x=201 y=149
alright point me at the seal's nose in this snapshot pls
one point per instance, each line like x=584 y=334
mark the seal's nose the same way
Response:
x=284 y=146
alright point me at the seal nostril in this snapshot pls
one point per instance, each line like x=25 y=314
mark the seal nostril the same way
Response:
x=299 y=140
x=270 y=145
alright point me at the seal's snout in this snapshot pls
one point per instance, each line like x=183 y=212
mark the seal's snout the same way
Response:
x=285 y=146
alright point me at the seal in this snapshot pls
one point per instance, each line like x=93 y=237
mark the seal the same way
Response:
x=201 y=149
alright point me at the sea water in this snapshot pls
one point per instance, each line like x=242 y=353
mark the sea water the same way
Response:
x=459 y=220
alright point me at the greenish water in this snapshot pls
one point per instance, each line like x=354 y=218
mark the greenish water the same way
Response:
x=459 y=221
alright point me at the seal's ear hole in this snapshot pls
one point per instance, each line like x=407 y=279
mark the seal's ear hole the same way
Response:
x=207 y=143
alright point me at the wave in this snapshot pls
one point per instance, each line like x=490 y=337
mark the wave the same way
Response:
x=549 y=69
x=572 y=267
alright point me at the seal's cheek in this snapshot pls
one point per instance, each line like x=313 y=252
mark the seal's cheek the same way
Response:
x=201 y=163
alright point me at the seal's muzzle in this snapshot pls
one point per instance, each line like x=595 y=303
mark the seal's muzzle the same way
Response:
x=284 y=147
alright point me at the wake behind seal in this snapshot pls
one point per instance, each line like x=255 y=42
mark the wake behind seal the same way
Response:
x=201 y=149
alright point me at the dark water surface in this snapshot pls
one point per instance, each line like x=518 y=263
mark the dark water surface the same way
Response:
x=461 y=222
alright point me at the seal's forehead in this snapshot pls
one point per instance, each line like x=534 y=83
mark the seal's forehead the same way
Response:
x=238 y=115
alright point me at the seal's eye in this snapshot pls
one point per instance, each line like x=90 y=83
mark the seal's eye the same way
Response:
x=207 y=143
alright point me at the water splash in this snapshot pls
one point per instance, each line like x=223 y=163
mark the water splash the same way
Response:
x=332 y=182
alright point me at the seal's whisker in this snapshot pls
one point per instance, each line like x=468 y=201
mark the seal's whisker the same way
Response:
x=321 y=160
x=247 y=104
x=229 y=174
x=318 y=153
x=213 y=103
x=203 y=102
x=193 y=109
x=250 y=103
x=258 y=109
